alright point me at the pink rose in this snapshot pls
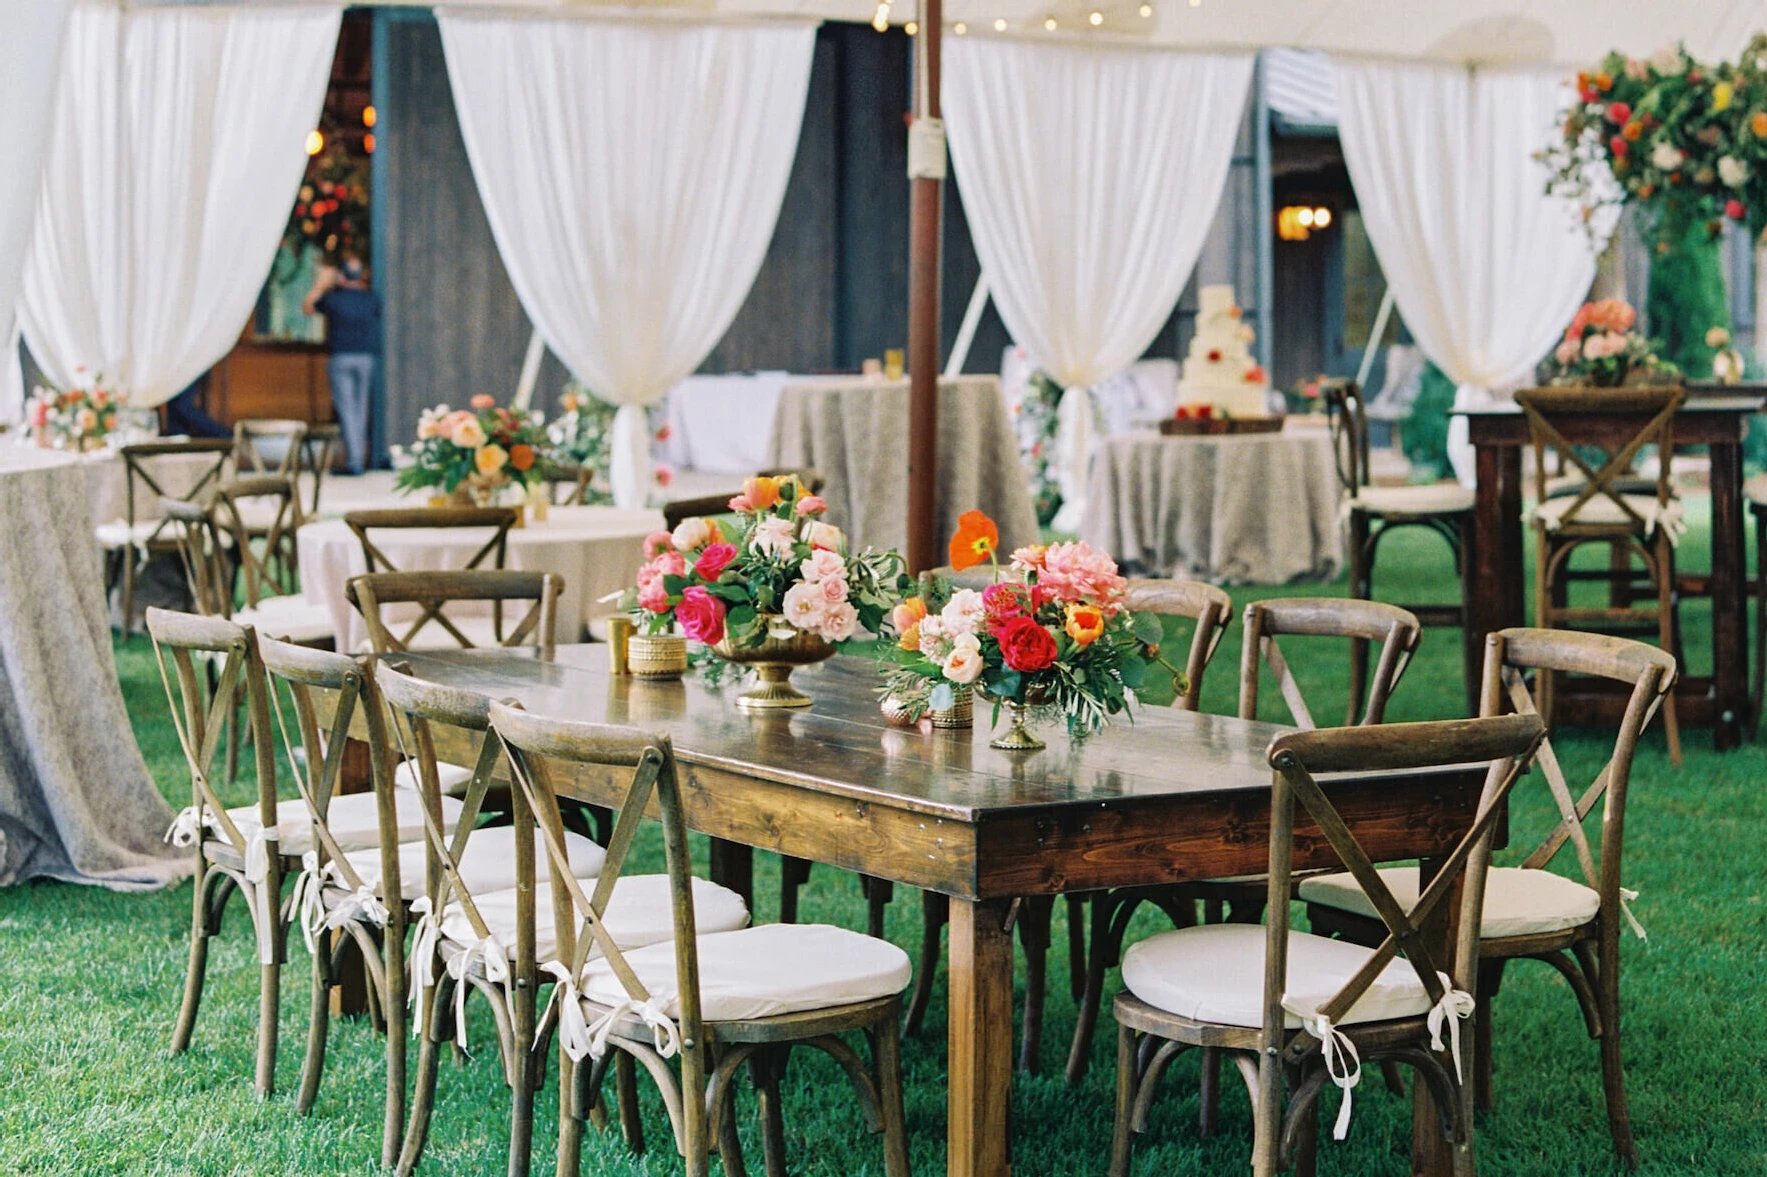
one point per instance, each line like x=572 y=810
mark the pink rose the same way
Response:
x=804 y=606
x=714 y=560
x=812 y=505
x=833 y=590
x=773 y=537
x=1567 y=352
x=964 y=665
x=656 y=543
x=1006 y=600
x=822 y=565
x=841 y=623
x=701 y=615
x=652 y=597
x=825 y=535
x=740 y=504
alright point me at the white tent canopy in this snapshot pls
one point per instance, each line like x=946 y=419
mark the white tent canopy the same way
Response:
x=1569 y=33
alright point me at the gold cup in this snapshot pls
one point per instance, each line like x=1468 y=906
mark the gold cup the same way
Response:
x=619 y=641
x=893 y=366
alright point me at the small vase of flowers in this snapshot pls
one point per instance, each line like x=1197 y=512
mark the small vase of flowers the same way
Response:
x=772 y=589
x=1051 y=631
x=80 y=419
x=476 y=451
x=1600 y=349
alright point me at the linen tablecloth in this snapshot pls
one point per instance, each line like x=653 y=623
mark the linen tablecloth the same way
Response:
x=722 y=424
x=76 y=800
x=107 y=482
x=855 y=432
x=595 y=550
x=1256 y=508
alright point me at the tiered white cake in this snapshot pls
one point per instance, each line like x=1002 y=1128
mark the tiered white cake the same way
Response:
x=1220 y=370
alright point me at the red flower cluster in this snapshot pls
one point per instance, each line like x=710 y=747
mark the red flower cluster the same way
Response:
x=1025 y=646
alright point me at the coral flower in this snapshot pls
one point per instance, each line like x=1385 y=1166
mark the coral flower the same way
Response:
x=1085 y=624
x=483 y=400
x=521 y=457
x=977 y=539
x=907 y=617
x=1758 y=124
x=761 y=492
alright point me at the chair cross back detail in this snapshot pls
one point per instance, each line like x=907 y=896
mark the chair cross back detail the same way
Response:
x=247 y=433
x=1209 y=607
x=1348 y=419
x=138 y=468
x=496 y=548
x=432 y=591
x=199 y=551
x=278 y=538
x=1505 y=743
x=199 y=717
x=1394 y=628
x=1543 y=406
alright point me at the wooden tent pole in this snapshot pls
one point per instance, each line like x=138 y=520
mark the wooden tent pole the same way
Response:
x=926 y=195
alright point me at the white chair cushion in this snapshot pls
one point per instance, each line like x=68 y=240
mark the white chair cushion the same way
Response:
x=1517 y=902
x=291 y=618
x=639 y=914
x=118 y=533
x=452 y=777
x=1215 y=974
x=352 y=818
x=1437 y=499
x=763 y=972
x=1603 y=511
x=487 y=865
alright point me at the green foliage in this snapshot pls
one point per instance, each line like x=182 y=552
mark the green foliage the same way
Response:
x=1687 y=299
x=1425 y=432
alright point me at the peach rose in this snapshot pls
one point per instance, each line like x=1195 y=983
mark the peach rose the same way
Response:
x=964 y=664
x=483 y=400
x=467 y=433
x=490 y=458
x=825 y=535
x=812 y=505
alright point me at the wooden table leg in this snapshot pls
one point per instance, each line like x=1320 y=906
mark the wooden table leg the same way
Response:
x=1730 y=627
x=1493 y=568
x=1432 y=1155
x=978 y=1136
x=733 y=866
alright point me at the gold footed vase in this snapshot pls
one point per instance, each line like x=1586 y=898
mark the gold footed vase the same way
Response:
x=1018 y=736
x=773 y=659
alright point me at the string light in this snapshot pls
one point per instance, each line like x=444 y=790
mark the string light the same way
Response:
x=1096 y=17
x=880 y=20
x=315 y=142
x=1196 y=3
x=960 y=28
x=368 y=143
x=1146 y=11
x=369 y=116
x=1050 y=24
x=911 y=28
x=1000 y=25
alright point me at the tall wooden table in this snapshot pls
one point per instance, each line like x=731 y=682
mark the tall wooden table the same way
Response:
x=1177 y=796
x=1717 y=420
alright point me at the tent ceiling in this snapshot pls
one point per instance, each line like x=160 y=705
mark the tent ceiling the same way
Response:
x=1568 y=33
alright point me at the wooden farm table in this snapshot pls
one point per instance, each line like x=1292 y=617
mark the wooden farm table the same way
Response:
x=1177 y=796
x=1717 y=420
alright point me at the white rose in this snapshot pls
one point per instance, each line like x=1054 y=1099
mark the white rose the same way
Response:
x=1668 y=61
x=824 y=535
x=1734 y=172
x=804 y=606
x=964 y=612
x=964 y=665
x=1666 y=156
x=692 y=534
x=773 y=537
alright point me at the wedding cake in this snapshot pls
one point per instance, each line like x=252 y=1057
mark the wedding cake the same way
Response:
x=1220 y=371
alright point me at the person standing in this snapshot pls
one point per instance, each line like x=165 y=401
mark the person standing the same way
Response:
x=352 y=335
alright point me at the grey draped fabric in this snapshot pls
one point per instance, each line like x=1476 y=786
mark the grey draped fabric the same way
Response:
x=855 y=433
x=76 y=800
x=1247 y=509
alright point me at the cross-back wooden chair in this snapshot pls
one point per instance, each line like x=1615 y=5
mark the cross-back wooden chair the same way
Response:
x=1603 y=512
x=238 y=848
x=569 y=483
x=373 y=594
x=318 y=450
x=1374 y=512
x=261 y=514
x=129 y=542
x=717 y=504
x=1396 y=630
x=1296 y=1011
x=491 y=554
x=715 y=1000
x=268 y=445
x=476 y=926
x=1529 y=911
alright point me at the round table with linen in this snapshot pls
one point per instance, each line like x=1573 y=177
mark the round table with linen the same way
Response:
x=76 y=800
x=594 y=550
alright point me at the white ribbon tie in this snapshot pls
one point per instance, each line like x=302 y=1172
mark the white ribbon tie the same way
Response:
x=1455 y=1007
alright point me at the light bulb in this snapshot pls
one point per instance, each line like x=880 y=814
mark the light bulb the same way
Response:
x=960 y=28
x=1096 y=18
x=1146 y=10
x=1000 y=26
x=368 y=143
x=1050 y=24
x=369 y=116
x=911 y=28
x=315 y=142
x=1321 y=217
x=880 y=20
x=1305 y=217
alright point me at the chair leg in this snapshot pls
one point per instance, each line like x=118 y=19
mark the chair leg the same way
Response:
x=398 y=1029
x=1077 y=945
x=1490 y=980
x=1361 y=588
x=1665 y=576
x=1613 y=1077
x=729 y=1144
x=935 y=910
x=199 y=964
x=793 y=873
x=886 y=1044
x=1208 y=1090
x=521 y=1095
x=1123 y=1130
x=318 y=1025
x=423 y=1093
x=764 y=1072
x=878 y=894
x=570 y=1118
x=1098 y=958
x=1034 y=922
x=626 y=1091
x=1760 y=587
x=269 y=1010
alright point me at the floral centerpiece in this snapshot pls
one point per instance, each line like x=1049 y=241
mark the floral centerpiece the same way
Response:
x=1054 y=633
x=1600 y=348
x=74 y=419
x=476 y=451
x=775 y=589
x=579 y=434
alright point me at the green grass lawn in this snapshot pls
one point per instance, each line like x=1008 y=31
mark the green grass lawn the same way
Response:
x=90 y=981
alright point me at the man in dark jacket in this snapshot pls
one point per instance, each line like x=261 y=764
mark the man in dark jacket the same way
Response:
x=352 y=335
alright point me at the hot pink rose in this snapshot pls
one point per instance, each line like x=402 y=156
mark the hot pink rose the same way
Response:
x=812 y=505
x=656 y=543
x=714 y=560
x=701 y=615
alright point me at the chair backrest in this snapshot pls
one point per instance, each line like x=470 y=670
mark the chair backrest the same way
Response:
x=569 y=483
x=200 y=712
x=1211 y=608
x=282 y=492
x=318 y=447
x=1396 y=629
x=577 y=913
x=1348 y=416
x=1510 y=655
x=206 y=571
x=677 y=510
x=317 y=769
x=1550 y=410
x=495 y=548
x=1503 y=745
x=285 y=435
x=374 y=591
x=143 y=486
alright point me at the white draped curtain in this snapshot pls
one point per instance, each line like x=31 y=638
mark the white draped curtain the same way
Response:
x=632 y=174
x=1090 y=175
x=177 y=143
x=30 y=51
x=1486 y=268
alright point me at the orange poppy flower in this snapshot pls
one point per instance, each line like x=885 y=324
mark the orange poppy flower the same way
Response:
x=1085 y=624
x=977 y=539
x=521 y=457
